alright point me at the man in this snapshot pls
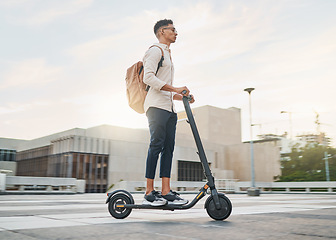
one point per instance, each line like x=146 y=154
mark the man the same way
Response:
x=161 y=114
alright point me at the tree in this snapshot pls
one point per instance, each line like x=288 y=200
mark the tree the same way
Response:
x=308 y=164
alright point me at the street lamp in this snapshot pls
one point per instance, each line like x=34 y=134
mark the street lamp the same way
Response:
x=252 y=191
x=290 y=123
x=326 y=157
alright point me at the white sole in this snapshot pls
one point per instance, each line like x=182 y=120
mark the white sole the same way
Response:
x=155 y=204
x=177 y=203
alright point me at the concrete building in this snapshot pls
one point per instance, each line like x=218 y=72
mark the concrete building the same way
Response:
x=284 y=143
x=105 y=155
x=8 y=155
x=319 y=138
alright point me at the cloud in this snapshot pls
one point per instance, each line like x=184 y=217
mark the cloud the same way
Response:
x=21 y=107
x=36 y=119
x=39 y=12
x=90 y=51
x=14 y=3
x=211 y=33
x=29 y=73
x=222 y=48
x=206 y=37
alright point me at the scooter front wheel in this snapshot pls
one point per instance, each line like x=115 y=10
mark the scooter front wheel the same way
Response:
x=116 y=208
x=221 y=214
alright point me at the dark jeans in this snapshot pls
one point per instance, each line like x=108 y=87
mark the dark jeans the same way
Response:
x=162 y=128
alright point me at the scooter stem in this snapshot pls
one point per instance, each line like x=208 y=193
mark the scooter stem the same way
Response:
x=199 y=145
x=201 y=152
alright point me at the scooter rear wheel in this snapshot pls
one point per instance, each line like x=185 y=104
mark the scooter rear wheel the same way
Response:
x=221 y=214
x=115 y=210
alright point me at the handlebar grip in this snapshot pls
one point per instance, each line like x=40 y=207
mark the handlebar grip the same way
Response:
x=189 y=97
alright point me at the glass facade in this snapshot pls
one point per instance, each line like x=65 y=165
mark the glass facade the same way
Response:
x=88 y=166
x=33 y=162
x=190 y=171
x=7 y=155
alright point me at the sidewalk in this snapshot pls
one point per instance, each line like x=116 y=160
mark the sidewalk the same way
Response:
x=85 y=216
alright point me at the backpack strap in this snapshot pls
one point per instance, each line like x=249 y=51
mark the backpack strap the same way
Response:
x=159 y=64
x=161 y=60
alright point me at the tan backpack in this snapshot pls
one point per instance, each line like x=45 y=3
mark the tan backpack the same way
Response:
x=136 y=89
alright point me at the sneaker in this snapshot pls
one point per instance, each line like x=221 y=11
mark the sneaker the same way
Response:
x=174 y=198
x=154 y=199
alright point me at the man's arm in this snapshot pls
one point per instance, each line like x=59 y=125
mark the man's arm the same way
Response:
x=179 y=97
x=178 y=90
x=150 y=60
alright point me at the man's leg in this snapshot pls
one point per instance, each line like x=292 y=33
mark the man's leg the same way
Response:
x=157 y=119
x=167 y=153
x=166 y=163
x=151 y=197
x=165 y=185
x=150 y=186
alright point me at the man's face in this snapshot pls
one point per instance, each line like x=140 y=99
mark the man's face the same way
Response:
x=169 y=32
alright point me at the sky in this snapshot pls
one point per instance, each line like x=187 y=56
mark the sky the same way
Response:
x=63 y=62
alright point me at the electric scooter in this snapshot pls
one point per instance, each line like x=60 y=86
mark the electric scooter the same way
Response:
x=218 y=206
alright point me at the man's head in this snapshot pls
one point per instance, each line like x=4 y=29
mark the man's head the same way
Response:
x=165 y=30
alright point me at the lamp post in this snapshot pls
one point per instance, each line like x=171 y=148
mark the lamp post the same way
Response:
x=290 y=123
x=326 y=157
x=252 y=191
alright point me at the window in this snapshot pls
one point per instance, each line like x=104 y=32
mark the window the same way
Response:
x=7 y=155
x=88 y=166
x=190 y=171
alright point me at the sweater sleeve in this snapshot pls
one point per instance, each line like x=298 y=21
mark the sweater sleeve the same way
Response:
x=151 y=60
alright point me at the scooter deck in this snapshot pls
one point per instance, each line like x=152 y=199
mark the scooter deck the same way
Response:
x=170 y=207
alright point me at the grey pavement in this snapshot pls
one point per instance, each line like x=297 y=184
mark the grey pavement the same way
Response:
x=85 y=216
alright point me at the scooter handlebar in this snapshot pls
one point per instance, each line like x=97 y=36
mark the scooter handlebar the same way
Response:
x=189 y=97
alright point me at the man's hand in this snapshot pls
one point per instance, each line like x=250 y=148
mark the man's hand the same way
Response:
x=192 y=99
x=183 y=91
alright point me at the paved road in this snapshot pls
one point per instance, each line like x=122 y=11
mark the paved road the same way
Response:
x=85 y=216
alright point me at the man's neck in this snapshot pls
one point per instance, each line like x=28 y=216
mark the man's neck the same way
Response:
x=164 y=42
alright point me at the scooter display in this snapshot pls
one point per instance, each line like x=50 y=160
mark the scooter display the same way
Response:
x=218 y=206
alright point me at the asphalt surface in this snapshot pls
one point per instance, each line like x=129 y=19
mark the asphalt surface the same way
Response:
x=85 y=216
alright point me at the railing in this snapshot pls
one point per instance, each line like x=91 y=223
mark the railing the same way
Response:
x=18 y=184
x=289 y=187
x=223 y=185
x=226 y=185
x=134 y=186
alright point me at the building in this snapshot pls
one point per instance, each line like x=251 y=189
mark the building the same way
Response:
x=320 y=138
x=105 y=155
x=284 y=143
x=8 y=154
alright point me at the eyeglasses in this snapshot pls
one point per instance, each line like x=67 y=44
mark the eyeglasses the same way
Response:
x=171 y=28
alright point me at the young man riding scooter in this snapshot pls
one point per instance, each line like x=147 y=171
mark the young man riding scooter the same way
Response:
x=161 y=114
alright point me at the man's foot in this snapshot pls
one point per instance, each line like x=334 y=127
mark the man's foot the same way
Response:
x=154 y=199
x=174 y=198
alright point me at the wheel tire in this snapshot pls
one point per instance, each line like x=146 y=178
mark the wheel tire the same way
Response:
x=118 y=212
x=221 y=214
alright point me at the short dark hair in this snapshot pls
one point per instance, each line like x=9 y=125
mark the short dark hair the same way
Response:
x=161 y=23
